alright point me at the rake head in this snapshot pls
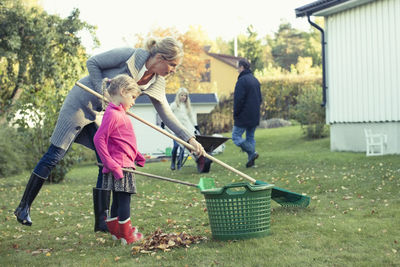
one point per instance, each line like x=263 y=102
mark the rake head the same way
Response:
x=286 y=198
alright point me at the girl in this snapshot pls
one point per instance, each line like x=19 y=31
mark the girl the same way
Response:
x=115 y=142
x=182 y=109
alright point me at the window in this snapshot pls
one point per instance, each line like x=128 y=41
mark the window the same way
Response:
x=206 y=76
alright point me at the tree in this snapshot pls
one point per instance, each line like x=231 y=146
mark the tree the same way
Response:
x=313 y=45
x=41 y=58
x=250 y=47
x=289 y=44
x=221 y=46
x=188 y=74
x=36 y=48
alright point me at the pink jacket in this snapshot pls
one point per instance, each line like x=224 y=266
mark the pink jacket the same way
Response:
x=115 y=142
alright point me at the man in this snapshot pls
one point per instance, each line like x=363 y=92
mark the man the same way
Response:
x=246 y=111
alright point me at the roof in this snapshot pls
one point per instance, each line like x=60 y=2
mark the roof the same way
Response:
x=327 y=7
x=230 y=60
x=194 y=99
x=316 y=6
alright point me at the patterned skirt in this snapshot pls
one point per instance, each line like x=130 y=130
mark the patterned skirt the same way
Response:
x=126 y=184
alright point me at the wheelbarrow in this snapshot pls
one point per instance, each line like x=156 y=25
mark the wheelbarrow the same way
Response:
x=209 y=143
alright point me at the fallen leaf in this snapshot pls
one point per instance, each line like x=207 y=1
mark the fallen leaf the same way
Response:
x=165 y=242
x=36 y=252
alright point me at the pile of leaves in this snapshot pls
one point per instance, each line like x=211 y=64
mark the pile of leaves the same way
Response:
x=165 y=242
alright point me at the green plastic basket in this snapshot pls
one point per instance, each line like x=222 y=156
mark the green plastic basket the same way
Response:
x=239 y=210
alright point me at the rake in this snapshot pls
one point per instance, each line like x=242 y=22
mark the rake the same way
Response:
x=204 y=183
x=281 y=196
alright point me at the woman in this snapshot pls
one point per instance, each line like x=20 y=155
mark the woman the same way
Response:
x=78 y=119
x=182 y=109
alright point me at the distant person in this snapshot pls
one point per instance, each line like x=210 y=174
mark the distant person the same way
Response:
x=115 y=142
x=182 y=109
x=246 y=111
x=78 y=118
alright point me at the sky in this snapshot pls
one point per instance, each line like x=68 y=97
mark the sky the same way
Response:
x=119 y=20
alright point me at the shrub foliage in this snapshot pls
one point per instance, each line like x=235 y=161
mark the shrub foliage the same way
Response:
x=310 y=114
x=12 y=156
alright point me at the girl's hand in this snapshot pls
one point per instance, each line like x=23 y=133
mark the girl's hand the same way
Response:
x=199 y=150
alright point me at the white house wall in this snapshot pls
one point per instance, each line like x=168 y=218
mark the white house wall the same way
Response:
x=149 y=141
x=351 y=136
x=363 y=63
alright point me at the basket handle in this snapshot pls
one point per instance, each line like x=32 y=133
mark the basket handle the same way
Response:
x=235 y=185
x=247 y=186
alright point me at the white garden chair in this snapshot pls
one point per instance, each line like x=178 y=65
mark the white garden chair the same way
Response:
x=376 y=143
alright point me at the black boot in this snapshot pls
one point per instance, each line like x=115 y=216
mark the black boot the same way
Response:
x=31 y=191
x=173 y=158
x=252 y=158
x=101 y=204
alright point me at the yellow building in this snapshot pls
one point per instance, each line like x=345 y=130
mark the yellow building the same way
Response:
x=221 y=74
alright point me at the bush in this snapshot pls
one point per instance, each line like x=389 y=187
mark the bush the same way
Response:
x=12 y=156
x=35 y=120
x=310 y=114
x=220 y=120
x=280 y=94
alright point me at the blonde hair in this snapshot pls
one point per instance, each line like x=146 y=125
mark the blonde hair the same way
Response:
x=120 y=82
x=168 y=47
x=188 y=104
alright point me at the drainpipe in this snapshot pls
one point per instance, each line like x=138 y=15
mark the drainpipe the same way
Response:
x=323 y=104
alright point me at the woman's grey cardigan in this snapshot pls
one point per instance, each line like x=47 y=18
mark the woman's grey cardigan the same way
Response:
x=81 y=108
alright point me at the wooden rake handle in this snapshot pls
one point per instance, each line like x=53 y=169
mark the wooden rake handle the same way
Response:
x=180 y=141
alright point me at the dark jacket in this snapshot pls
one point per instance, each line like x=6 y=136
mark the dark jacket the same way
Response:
x=246 y=100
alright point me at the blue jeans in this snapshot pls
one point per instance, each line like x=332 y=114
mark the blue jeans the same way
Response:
x=180 y=152
x=249 y=144
x=55 y=154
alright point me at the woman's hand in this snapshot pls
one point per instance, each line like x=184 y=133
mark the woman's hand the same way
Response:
x=199 y=149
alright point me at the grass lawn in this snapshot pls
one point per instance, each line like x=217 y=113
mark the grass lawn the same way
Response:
x=353 y=218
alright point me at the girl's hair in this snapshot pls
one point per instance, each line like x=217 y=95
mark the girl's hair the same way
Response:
x=188 y=104
x=120 y=82
x=168 y=47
